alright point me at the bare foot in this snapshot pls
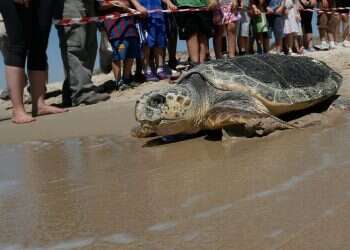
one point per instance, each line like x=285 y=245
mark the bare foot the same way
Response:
x=22 y=118
x=48 y=110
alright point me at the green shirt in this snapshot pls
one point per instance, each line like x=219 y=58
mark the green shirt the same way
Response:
x=192 y=3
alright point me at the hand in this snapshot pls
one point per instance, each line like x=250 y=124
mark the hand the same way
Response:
x=269 y=10
x=142 y=10
x=171 y=6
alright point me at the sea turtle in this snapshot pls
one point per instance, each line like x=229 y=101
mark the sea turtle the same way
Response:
x=248 y=93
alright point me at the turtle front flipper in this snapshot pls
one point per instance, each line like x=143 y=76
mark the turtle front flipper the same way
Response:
x=243 y=117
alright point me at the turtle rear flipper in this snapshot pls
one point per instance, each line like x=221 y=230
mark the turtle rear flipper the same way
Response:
x=240 y=118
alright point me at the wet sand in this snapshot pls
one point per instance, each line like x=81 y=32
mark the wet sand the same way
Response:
x=92 y=186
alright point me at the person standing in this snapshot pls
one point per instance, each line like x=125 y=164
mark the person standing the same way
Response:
x=195 y=28
x=306 y=7
x=78 y=45
x=28 y=31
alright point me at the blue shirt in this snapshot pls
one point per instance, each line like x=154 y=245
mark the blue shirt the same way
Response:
x=274 y=4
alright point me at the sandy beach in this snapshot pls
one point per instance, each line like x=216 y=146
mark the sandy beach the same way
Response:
x=78 y=180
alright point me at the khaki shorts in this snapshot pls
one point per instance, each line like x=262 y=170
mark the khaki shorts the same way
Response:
x=328 y=22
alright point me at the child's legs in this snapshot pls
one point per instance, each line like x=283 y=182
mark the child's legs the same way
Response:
x=345 y=20
x=116 y=67
x=203 y=47
x=278 y=26
x=127 y=68
x=219 y=31
x=266 y=42
x=146 y=58
x=133 y=52
x=322 y=26
x=193 y=47
x=158 y=57
x=231 y=38
x=172 y=39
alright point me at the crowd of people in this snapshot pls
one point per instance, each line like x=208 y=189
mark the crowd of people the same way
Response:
x=149 y=37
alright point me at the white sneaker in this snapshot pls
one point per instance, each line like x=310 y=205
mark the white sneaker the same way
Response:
x=332 y=45
x=346 y=44
x=324 y=45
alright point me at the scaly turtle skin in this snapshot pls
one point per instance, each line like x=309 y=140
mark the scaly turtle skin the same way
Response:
x=247 y=92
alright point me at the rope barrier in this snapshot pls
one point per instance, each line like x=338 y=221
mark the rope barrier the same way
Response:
x=115 y=16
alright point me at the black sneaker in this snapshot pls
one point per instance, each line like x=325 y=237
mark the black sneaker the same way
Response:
x=122 y=85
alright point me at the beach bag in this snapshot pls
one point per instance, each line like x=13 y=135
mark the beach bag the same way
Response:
x=106 y=54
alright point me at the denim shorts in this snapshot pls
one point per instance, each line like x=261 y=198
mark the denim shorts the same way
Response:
x=155 y=33
x=128 y=47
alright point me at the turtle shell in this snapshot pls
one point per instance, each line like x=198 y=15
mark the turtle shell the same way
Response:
x=282 y=83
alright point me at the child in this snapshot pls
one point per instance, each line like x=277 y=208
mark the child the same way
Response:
x=225 y=17
x=259 y=22
x=155 y=33
x=276 y=11
x=244 y=28
x=291 y=27
x=327 y=25
x=344 y=13
x=195 y=28
x=123 y=36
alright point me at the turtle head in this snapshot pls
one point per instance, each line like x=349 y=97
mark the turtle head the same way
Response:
x=166 y=112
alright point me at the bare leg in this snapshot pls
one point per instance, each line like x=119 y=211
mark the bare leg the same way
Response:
x=219 y=31
x=116 y=66
x=243 y=44
x=127 y=68
x=193 y=48
x=203 y=47
x=15 y=82
x=146 y=65
x=345 y=20
x=38 y=79
x=231 y=39
x=159 y=57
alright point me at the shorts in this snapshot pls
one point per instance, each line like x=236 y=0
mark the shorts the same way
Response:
x=126 y=48
x=276 y=26
x=260 y=23
x=244 y=25
x=195 y=22
x=224 y=15
x=306 y=21
x=155 y=32
x=328 y=22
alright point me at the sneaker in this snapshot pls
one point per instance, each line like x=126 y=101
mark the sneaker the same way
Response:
x=323 y=46
x=150 y=77
x=162 y=74
x=346 y=44
x=332 y=45
x=122 y=85
x=139 y=78
x=175 y=75
x=94 y=98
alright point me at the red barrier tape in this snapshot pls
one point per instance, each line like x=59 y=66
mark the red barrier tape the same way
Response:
x=115 y=16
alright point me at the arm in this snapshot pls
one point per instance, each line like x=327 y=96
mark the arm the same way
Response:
x=139 y=7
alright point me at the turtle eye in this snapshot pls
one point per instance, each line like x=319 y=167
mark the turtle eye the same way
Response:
x=157 y=100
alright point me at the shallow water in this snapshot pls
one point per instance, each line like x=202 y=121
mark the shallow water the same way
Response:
x=290 y=190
